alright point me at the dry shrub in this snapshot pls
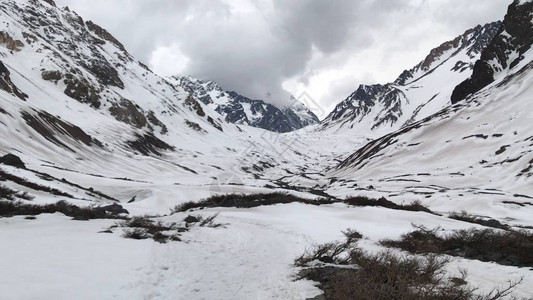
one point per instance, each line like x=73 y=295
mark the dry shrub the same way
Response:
x=382 y=202
x=387 y=275
x=247 y=201
x=503 y=247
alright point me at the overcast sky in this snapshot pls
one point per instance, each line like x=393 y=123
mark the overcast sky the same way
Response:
x=268 y=49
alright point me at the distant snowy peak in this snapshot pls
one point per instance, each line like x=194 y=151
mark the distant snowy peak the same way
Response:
x=374 y=110
x=505 y=52
x=239 y=109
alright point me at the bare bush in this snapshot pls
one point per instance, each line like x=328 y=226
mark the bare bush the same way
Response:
x=503 y=247
x=141 y=228
x=247 y=201
x=466 y=217
x=387 y=275
x=382 y=202
x=8 y=209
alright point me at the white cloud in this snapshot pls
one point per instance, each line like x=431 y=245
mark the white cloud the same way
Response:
x=168 y=61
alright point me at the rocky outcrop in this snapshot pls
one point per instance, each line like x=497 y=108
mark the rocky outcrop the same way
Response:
x=51 y=2
x=81 y=90
x=50 y=127
x=104 y=34
x=127 y=112
x=505 y=51
x=194 y=126
x=156 y=122
x=475 y=39
x=53 y=76
x=148 y=144
x=12 y=160
x=7 y=41
x=7 y=85
x=194 y=106
x=104 y=73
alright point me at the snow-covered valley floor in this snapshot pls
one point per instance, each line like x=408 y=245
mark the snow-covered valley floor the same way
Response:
x=250 y=258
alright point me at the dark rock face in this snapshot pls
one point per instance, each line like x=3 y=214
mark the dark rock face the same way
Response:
x=215 y=124
x=194 y=106
x=106 y=74
x=51 y=2
x=12 y=160
x=53 y=76
x=81 y=90
x=127 y=112
x=7 y=85
x=194 y=126
x=148 y=144
x=49 y=127
x=515 y=36
x=104 y=34
x=155 y=121
x=191 y=219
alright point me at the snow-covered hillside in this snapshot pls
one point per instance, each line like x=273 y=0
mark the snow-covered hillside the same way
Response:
x=73 y=99
x=476 y=154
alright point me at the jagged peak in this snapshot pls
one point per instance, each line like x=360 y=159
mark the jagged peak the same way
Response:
x=476 y=39
x=505 y=51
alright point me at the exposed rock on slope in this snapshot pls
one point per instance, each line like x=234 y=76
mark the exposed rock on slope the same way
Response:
x=504 y=52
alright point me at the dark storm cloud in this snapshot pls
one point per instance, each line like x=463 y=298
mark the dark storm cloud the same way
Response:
x=255 y=46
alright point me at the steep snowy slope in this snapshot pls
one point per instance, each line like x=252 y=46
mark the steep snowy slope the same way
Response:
x=476 y=155
x=375 y=110
x=244 y=111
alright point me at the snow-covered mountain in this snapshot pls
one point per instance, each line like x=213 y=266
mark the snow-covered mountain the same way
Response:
x=74 y=100
x=241 y=110
x=417 y=93
x=479 y=151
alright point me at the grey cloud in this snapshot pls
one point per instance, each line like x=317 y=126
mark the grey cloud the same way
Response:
x=254 y=53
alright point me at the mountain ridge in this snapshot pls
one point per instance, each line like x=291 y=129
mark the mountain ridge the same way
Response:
x=242 y=110
x=417 y=93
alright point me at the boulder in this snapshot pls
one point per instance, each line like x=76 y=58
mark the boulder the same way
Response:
x=12 y=160
x=191 y=219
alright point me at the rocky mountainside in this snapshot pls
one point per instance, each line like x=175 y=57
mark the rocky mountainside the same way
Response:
x=241 y=110
x=477 y=148
x=505 y=52
x=416 y=93
x=74 y=101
